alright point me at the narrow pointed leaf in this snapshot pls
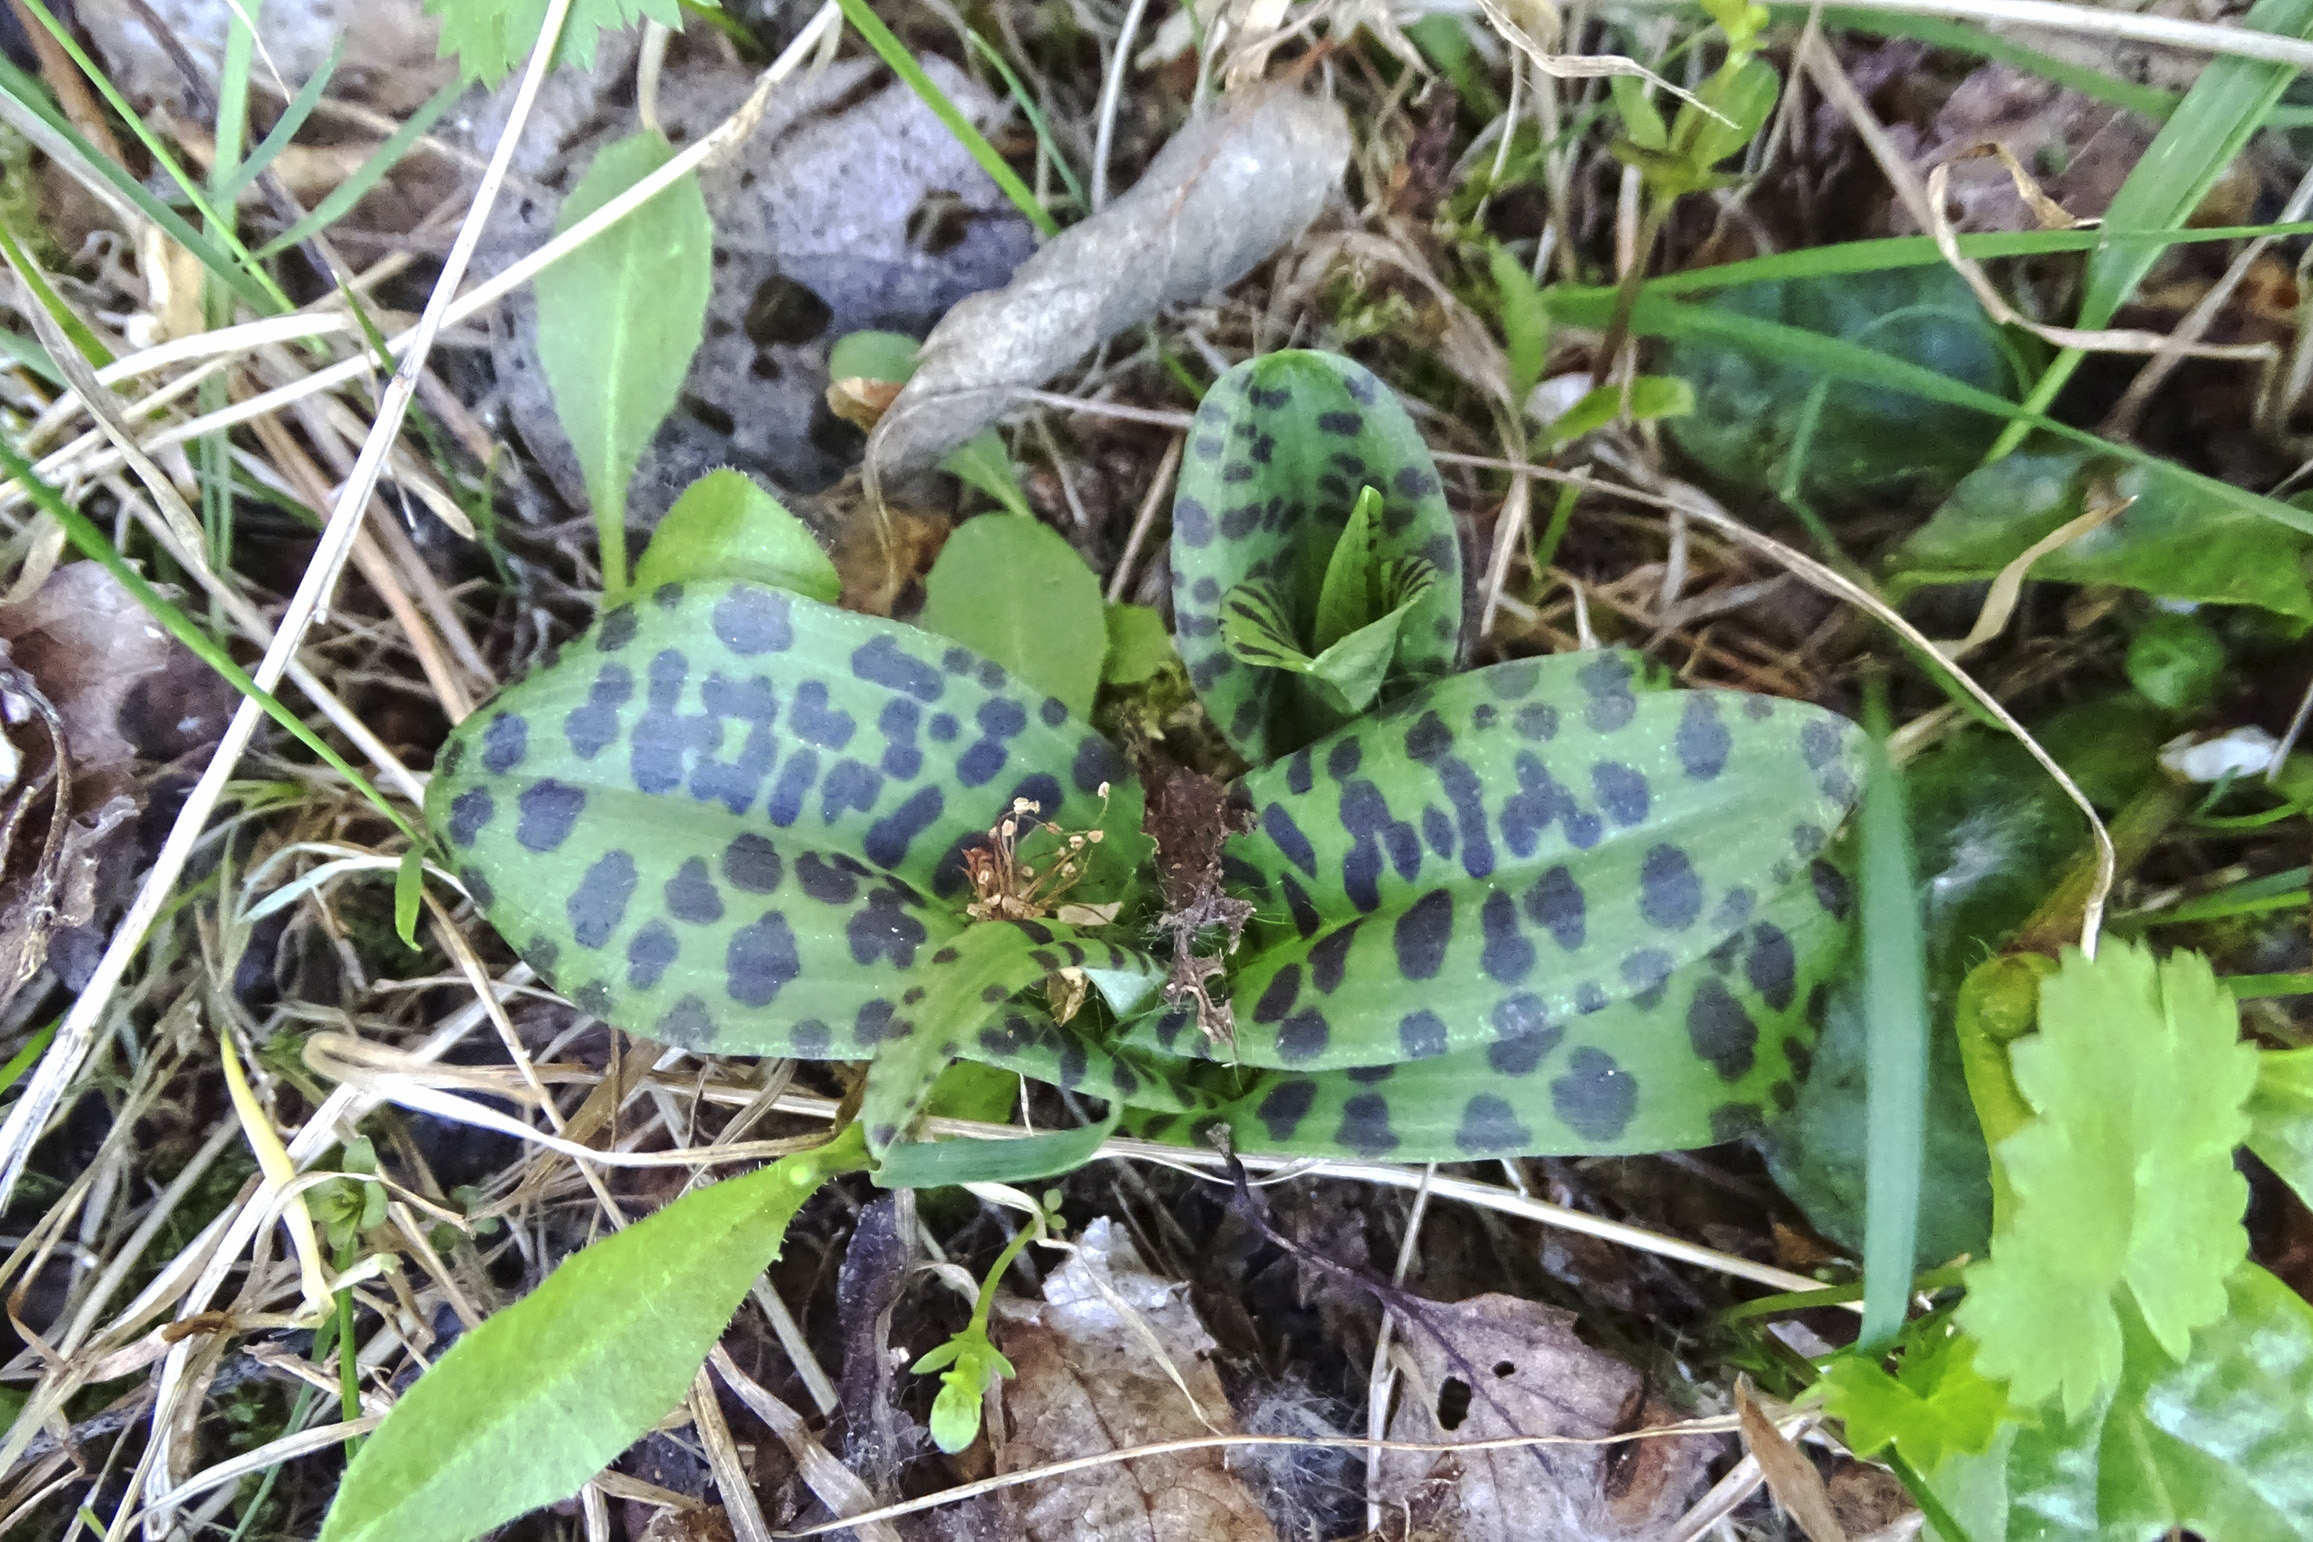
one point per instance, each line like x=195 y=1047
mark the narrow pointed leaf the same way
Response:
x=528 y=1406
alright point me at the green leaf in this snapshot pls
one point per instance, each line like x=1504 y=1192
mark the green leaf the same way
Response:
x=1348 y=675
x=732 y=817
x=2123 y=1181
x=528 y=1406
x=931 y=1164
x=2281 y=1117
x=492 y=37
x=1017 y=592
x=970 y=1090
x=1651 y=397
x=409 y=895
x=2214 y=1446
x=2173 y=540
x=1935 y=1404
x=1280 y=447
x=1351 y=598
x=2177 y=662
x=889 y=357
x=1744 y=97
x=1525 y=323
x=982 y=462
x=1763 y=418
x=618 y=321
x=973 y=1365
x=1138 y=645
x=724 y=526
x=1581 y=915
x=1641 y=119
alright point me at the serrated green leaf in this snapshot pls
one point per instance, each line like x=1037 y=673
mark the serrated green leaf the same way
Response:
x=1138 y=645
x=724 y=526
x=491 y=37
x=2214 y=1446
x=1935 y=1405
x=538 y=1399
x=2281 y=1117
x=1280 y=447
x=618 y=322
x=2124 y=1179
x=1016 y=592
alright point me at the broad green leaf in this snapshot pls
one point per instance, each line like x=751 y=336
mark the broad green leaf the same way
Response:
x=2124 y=1180
x=618 y=321
x=2281 y=1117
x=731 y=817
x=2173 y=540
x=528 y=1406
x=1138 y=645
x=2214 y=1446
x=1534 y=881
x=970 y=1090
x=1761 y=420
x=1525 y=324
x=1280 y=447
x=1016 y=592
x=491 y=37
x=1351 y=596
x=724 y=526
x=1935 y=1404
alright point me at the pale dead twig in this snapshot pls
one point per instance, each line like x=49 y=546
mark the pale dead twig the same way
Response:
x=1111 y=93
x=1382 y=1380
x=1151 y=504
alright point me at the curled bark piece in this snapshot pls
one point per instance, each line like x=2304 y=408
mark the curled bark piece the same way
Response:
x=1223 y=194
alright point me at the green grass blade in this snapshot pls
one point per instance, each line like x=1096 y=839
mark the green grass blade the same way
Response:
x=231 y=135
x=91 y=346
x=1895 y=1013
x=353 y=189
x=285 y=129
x=893 y=52
x=24 y=1059
x=90 y=542
x=34 y=98
x=1033 y=113
x=276 y=300
x=2226 y=105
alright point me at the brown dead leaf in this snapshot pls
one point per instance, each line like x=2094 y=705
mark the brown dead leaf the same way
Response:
x=1496 y=1366
x=1791 y=1478
x=1091 y=1380
x=94 y=692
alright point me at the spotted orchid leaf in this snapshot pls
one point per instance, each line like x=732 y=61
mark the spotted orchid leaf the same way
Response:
x=1574 y=914
x=957 y=989
x=730 y=818
x=1281 y=448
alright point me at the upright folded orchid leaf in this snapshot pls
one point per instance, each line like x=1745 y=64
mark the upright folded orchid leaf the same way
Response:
x=1283 y=450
